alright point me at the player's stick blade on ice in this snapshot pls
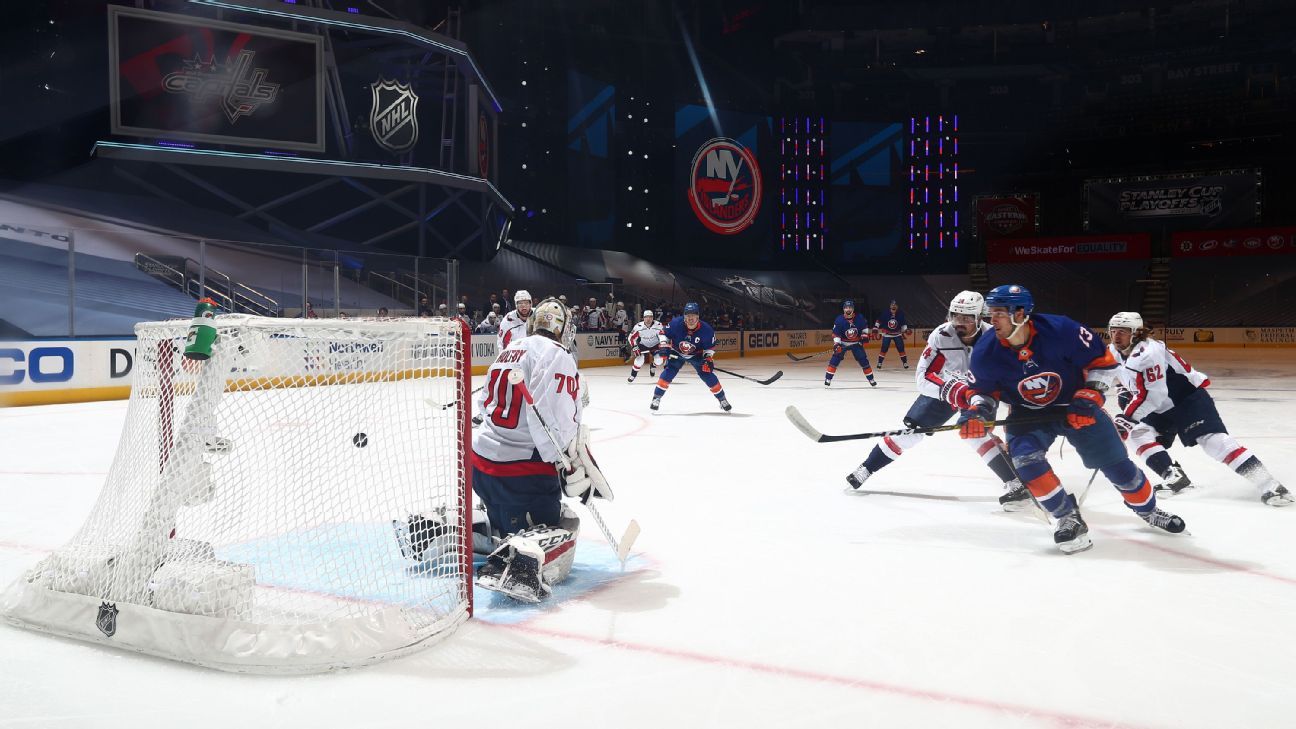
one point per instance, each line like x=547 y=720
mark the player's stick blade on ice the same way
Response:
x=802 y=424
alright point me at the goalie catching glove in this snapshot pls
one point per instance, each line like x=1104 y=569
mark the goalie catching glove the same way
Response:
x=584 y=480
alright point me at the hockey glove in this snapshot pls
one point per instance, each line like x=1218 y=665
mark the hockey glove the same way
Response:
x=1084 y=408
x=837 y=348
x=1124 y=425
x=707 y=363
x=585 y=479
x=956 y=393
x=973 y=420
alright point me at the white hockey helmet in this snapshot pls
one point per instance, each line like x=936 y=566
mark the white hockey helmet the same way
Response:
x=968 y=302
x=648 y=312
x=549 y=316
x=521 y=295
x=1130 y=320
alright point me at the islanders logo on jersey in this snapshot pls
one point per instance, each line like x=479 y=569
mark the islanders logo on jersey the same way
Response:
x=1040 y=390
x=686 y=347
x=852 y=334
x=724 y=186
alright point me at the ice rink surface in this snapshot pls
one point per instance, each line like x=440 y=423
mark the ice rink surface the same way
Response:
x=762 y=595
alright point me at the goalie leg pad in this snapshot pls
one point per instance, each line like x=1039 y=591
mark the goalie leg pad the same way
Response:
x=528 y=564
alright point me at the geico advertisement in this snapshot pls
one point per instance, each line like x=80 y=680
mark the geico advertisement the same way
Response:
x=62 y=365
x=764 y=340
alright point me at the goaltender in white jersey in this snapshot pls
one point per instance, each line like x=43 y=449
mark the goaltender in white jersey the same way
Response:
x=514 y=324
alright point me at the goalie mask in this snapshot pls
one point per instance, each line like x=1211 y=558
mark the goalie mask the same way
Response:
x=549 y=316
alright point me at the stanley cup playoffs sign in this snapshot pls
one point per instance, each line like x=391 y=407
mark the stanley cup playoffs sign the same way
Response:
x=180 y=77
x=1186 y=202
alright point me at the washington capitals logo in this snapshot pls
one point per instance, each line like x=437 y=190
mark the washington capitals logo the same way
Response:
x=241 y=88
x=724 y=186
x=393 y=118
x=1040 y=390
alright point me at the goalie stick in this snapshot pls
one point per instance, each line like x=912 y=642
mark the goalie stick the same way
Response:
x=622 y=547
x=753 y=379
x=813 y=433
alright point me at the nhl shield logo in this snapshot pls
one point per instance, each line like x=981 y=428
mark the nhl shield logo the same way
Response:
x=107 y=619
x=394 y=116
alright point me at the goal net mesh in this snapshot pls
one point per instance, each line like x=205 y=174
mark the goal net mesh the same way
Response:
x=247 y=520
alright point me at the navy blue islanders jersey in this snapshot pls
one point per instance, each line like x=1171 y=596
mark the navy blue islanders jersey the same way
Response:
x=891 y=325
x=852 y=330
x=690 y=342
x=1058 y=358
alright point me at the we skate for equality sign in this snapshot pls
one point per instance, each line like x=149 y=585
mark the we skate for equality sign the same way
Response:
x=189 y=78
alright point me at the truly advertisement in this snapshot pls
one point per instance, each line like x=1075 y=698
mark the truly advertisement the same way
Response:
x=1219 y=200
x=1070 y=248
x=1235 y=242
x=180 y=77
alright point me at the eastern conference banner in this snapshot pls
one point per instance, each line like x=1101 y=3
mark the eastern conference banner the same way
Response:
x=1070 y=248
x=1241 y=242
x=1225 y=200
x=1007 y=216
x=188 y=78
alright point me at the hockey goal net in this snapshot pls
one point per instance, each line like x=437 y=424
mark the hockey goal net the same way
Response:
x=246 y=522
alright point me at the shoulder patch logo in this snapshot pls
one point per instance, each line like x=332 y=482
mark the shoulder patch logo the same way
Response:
x=1040 y=390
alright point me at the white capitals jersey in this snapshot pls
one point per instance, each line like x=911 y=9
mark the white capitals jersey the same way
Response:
x=946 y=357
x=1154 y=375
x=648 y=335
x=511 y=327
x=508 y=431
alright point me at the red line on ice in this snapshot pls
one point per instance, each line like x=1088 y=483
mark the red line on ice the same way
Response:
x=1058 y=718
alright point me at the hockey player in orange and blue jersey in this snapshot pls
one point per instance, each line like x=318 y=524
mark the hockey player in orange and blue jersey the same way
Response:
x=850 y=334
x=1040 y=363
x=691 y=340
x=891 y=327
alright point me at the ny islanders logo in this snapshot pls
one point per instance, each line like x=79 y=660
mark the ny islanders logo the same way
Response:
x=686 y=347
x=1040 y=390
x=724 y=186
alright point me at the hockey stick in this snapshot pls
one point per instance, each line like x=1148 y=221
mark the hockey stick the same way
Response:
x=622 y=547
x=813 y=434
x=452 y=403
x=795 y=358
x=753 y=379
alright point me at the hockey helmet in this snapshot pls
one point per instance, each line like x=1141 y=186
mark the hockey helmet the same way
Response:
x=1130 y=320
x=549 y=316
x=648 y=312
x=968 y=302
x=848 y=304
x=1013 y=297
x=521 y=295
x=692 y=308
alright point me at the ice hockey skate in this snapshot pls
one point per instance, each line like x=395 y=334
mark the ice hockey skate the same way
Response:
x=1071 y=534
x=1176 y=482
x=1164 y=520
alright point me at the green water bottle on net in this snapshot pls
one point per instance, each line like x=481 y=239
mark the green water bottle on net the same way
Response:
x=202 y=331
